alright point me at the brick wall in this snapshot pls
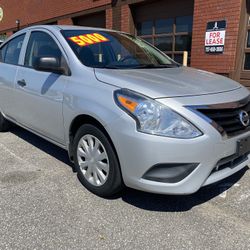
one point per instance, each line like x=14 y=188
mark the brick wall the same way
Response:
x=118 y=16
x=109 y=18
x=126 y=18
x=65 y=21
x=30 y=11
x=213 y=10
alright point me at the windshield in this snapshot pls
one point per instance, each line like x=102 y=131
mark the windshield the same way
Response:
x=108 y=49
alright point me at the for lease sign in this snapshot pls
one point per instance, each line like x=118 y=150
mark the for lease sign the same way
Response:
x=215 y=37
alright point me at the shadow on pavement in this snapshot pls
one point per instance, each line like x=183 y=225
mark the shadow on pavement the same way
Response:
x=174 y=203
x=146 y=201
x=47 y=147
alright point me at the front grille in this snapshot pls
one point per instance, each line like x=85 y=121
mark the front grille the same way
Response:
x=230 y=162
x=227 y=119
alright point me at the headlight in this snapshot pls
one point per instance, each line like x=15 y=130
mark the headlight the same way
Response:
x=154 y=118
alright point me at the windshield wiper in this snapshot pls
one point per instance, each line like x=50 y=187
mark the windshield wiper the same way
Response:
x=154 y=66
x=141 y=66
x=113 y=67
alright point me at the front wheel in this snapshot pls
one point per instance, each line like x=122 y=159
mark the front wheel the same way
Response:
x=96 y=163
x=4 y=124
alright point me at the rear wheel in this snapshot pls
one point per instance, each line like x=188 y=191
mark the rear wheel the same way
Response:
x=4 y=124
x=96 y=162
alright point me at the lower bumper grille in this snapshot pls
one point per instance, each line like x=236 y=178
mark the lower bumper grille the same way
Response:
x=230 y=162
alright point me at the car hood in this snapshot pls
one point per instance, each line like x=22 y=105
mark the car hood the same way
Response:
x=167 y=82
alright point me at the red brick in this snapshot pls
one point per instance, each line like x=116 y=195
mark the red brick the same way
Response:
x=109 y=18
x=213 y=10
x=30 y=11
x=66 y=21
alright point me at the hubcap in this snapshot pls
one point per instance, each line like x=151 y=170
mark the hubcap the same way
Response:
x=93 y=160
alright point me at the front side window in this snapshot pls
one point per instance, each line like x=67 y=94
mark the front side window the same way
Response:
x=10 y=52
x=40 y=45
x=107 y=49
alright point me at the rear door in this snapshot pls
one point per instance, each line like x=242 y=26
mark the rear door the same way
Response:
x=9 y=59
x=39 y=95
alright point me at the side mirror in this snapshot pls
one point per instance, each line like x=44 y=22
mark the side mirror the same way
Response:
x=49 y=64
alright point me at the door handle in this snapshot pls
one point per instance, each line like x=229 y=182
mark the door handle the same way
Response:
x=21 y=83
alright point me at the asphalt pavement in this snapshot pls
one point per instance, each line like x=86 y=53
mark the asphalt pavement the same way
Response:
x=44 y=206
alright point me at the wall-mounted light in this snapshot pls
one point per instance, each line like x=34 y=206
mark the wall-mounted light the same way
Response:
x=18 y=24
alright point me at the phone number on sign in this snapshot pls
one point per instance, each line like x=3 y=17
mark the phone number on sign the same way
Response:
x=218 y=49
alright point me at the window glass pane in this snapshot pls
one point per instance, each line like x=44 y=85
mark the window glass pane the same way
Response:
x=164 y=26
x=178 y=58
x=183 y=43
x=248 y=39
x=148 y=39
x=3 y=37
x=247 y=61
x=169 y=55
x=145 y=28
x=120 y=50
x=2 y=53
x=184 y=24
x=41 y=45
x=164 y=43
x=13 y=50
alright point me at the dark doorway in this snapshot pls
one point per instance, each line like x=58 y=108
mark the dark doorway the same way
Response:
x=92 y=20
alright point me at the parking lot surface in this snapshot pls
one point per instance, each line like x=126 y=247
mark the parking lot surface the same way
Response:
x=44 y=206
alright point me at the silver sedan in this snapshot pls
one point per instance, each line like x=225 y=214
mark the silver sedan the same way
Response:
x=126 y=113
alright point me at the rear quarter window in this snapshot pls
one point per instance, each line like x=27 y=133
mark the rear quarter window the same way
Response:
x=10 y=52
x=2 y=53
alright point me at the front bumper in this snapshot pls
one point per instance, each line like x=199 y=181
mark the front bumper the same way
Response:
x=139 y=152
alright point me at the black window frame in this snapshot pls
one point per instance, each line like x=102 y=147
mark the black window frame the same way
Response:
x=153 y=36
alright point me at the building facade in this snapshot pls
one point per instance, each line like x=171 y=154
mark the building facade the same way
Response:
x=215 y=33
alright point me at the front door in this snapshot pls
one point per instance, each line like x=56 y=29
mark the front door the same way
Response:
x=39 y=95
x=9 y=58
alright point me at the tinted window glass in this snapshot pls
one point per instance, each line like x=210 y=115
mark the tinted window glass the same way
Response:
x=248 y=39
x=247 y=61
x=164 y=26
x=2 y=53
x=178 y=58
x=148 y=39
x=145 y=28
x=13 y=49
x=184 y=24
x=164 y=43
x=107 y=49
x=41 y=45
x=183 y=43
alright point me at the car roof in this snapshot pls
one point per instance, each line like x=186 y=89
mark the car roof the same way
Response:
x=56 y=28
x=63 y=27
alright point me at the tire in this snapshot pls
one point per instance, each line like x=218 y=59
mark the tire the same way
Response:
x=96 y=162
x=4 y=124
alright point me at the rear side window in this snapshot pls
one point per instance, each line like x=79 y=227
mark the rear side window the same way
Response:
x=41 y=44
x=11 y=51
x=2 y=53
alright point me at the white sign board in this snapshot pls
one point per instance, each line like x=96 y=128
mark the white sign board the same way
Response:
x=215 y=37
x=1 y=14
